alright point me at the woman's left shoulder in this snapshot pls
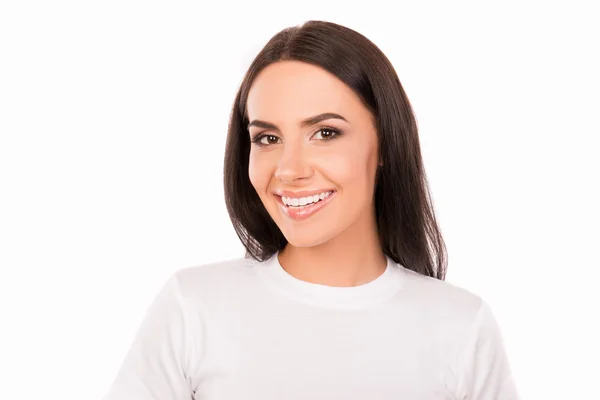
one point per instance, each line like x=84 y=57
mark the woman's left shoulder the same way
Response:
x=442 y=297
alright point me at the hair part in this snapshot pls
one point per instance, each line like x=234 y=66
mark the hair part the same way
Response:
x=408 y=230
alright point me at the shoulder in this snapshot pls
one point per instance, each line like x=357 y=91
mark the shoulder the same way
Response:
x=440 y=300
x=217 y=280
x=216 y=270
x=462 y=326
x=215 y=273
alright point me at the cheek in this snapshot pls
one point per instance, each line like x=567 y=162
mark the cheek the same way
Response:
x=351 y=166
x=259 y=172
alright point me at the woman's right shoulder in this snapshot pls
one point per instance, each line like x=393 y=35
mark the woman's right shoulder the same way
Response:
x=216 y=277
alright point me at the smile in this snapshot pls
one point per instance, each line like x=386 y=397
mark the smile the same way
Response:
x=299 y=208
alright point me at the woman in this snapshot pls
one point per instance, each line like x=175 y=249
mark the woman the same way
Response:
x=342 y=295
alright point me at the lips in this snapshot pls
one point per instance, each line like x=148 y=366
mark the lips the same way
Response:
x=301 y=193
x=303 y=212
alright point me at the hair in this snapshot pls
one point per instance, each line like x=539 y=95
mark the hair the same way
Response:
x=408 y=230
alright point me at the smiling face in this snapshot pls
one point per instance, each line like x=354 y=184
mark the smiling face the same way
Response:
x=314 y=153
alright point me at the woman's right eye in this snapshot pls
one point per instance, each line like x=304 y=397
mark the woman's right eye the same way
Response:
x=265 y=140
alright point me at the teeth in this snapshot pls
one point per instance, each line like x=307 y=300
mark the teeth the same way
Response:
x=303 y=201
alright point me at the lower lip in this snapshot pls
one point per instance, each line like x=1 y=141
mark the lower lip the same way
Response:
x=301 y=213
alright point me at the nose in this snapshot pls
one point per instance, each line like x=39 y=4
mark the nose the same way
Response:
x=293 y=164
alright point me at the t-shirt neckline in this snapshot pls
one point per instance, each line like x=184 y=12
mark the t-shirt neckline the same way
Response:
x=351 y=297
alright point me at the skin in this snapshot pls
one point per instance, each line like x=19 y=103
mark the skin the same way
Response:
x=339 y=244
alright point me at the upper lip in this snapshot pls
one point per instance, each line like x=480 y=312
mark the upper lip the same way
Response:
x=301 y=193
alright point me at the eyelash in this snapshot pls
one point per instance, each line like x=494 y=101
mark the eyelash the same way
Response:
x=257 y=139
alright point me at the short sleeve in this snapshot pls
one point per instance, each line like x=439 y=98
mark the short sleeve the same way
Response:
x=484 y=369
x=158 y=364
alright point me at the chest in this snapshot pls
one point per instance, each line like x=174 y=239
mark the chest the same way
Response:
x=320 y=355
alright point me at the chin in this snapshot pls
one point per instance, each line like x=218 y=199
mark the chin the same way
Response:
x=306 y=240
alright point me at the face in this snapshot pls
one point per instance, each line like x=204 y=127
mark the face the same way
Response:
x=314 y=153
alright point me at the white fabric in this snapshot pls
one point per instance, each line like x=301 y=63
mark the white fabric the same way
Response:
x=242 y=329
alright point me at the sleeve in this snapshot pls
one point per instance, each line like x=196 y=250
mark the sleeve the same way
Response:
x=484 y=369
x=158 y=364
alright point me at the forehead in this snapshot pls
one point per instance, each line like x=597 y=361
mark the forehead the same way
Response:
x=293 y=90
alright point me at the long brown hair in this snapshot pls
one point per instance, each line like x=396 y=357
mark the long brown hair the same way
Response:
x=406 y=222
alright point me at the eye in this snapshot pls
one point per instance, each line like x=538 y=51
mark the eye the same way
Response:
x=326 y=134
x=265 y=140
x=269 y=139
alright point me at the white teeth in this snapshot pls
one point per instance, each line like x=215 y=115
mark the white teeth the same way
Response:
x=303 y=201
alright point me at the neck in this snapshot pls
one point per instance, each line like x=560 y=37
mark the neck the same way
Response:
x=354 y=257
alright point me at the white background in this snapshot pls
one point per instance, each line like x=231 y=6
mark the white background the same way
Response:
x=113 y=118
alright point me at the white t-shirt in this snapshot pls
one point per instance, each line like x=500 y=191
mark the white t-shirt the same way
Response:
x=248 y=330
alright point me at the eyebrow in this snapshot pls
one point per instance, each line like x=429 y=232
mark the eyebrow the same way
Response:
x=304 y=123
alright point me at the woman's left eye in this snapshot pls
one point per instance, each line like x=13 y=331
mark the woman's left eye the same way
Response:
x=326 y=134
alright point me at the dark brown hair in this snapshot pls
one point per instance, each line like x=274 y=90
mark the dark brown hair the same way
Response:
x=408 y=231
